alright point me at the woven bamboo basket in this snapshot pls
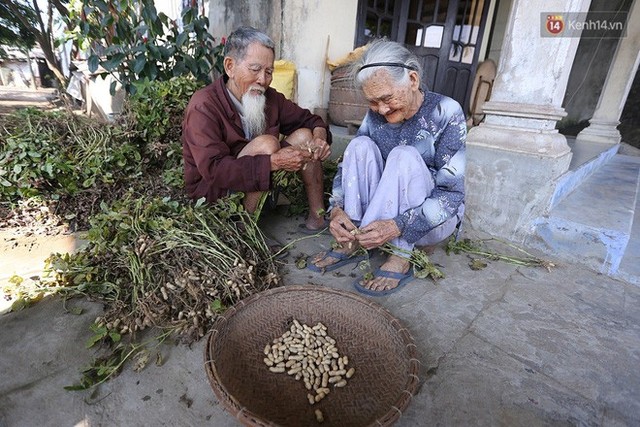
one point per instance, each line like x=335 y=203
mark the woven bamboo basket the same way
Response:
x=380 y=349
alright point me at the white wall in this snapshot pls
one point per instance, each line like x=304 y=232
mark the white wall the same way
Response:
x=300 y=30
x=171 y=8
x=306 y=27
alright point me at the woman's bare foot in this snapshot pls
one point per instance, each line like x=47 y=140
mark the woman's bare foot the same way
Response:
x=395 y=264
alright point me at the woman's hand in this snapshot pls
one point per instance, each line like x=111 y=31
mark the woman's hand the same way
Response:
x=377 y=233
x=341 y=226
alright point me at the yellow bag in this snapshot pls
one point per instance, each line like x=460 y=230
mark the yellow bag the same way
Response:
x=284 y=78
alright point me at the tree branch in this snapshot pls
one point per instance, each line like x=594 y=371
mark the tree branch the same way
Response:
x=61 y=8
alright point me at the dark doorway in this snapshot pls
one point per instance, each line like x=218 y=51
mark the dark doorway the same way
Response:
x=444 y=34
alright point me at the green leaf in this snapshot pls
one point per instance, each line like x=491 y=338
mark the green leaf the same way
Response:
x=76 y=310
x=477 y=264
x=151 y=70
x=103 y=6
x=191 y=64
x=93 y=62
x=98 y=329
x=157 y=26
x=139 y=63
x=165 y=53
x=155 y=52
x=179 y=69
x=187 y=15
x=76 y=387
x=182 y=38
x=139 y=48
x=113 y=49
x=19 y=304
x=149 y=13
x=216 y=306
x=113 y=62
x=93 y=340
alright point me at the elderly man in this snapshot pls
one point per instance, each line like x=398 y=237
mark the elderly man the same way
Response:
x=232 y=127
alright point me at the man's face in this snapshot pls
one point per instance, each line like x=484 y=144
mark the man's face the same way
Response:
x=251 y=75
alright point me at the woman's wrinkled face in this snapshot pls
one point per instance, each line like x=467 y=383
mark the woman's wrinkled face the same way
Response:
x=397 y=102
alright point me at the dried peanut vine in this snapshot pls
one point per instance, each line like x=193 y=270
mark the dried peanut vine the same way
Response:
x=159 y=263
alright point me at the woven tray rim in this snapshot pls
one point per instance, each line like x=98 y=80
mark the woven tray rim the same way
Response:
x=247 y=417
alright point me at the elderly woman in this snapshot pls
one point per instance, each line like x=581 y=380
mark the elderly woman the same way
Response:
x=401 y=180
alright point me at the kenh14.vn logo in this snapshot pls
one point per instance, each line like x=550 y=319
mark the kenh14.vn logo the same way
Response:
x=555 y=24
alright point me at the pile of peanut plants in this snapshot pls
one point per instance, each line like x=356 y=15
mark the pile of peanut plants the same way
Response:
x=156 y=260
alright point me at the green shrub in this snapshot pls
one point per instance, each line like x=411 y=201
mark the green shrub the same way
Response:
x=133 y=42
x=156 y=110
x=58 y=153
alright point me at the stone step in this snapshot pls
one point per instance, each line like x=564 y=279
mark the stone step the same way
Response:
x=586 y=159
x=341 y=138
x=629 y=269
x=593 y=225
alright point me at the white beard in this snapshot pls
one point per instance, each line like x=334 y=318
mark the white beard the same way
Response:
x=254 y=119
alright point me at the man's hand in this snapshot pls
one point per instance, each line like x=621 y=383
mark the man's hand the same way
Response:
x=378 y=233
x=290 y=159
x=320 y=149
x=318 y=144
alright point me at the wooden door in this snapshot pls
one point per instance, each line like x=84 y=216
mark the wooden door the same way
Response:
x=444 y=34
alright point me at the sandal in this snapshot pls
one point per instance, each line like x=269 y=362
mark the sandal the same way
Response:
x=343 y=259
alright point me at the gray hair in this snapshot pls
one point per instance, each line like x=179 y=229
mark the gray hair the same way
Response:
x=391 y=56
x=241 y=38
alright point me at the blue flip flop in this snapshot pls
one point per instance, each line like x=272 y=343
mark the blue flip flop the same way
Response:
x=302 y=228
x=343 y=260
x=403 y=278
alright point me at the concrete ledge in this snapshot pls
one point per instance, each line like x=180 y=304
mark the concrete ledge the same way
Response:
x=593 y=225
x=598 y=248
x=341 y=138
x=585 y=160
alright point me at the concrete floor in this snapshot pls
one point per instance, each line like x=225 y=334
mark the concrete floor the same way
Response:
x=504 y=345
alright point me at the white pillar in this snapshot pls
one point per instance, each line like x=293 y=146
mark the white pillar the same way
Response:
x=603 y=126
x=515 y=157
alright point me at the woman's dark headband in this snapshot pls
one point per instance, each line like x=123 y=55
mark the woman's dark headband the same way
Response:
x=388 y=64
